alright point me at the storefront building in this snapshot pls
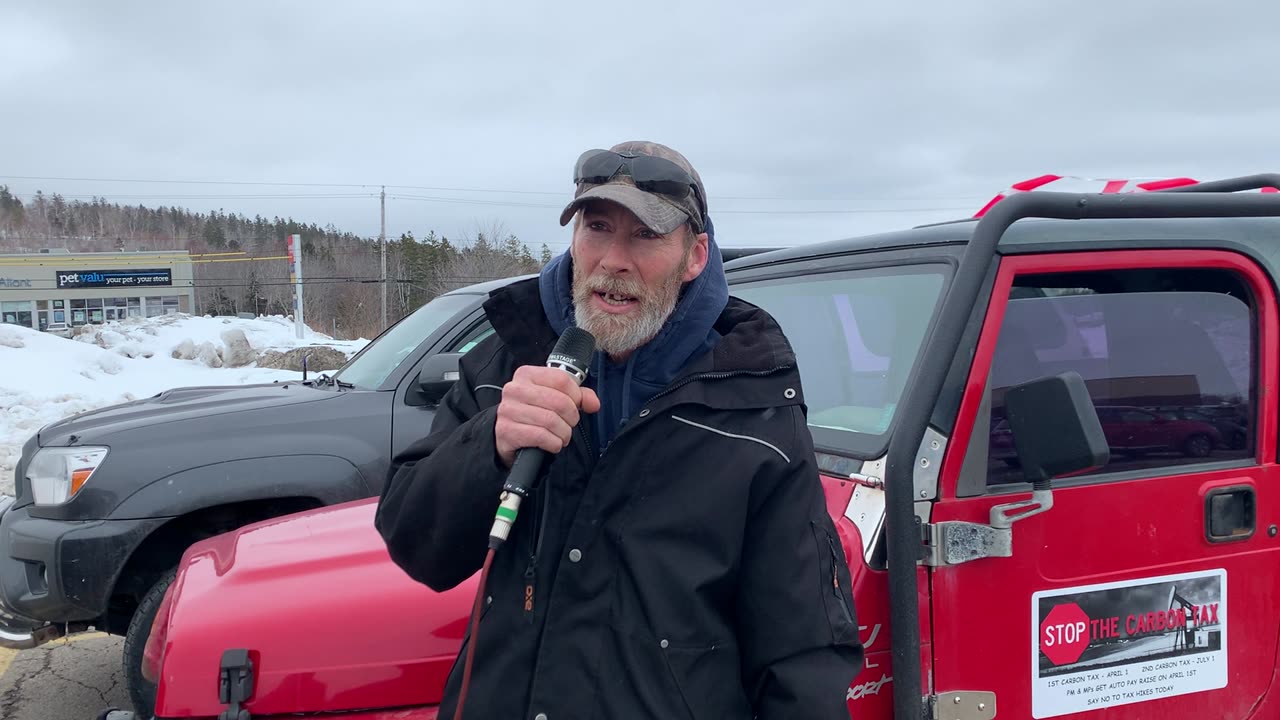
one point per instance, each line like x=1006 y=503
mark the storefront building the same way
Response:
x=61 y=290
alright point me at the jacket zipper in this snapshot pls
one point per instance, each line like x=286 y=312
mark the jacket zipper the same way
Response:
x=585 y=437
x=835 y=578
x=531 y=571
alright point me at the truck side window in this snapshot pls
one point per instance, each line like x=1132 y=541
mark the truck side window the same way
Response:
x=472 y=337
x=1169 y=358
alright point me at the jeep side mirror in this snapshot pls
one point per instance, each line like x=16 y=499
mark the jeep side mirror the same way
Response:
x=1056 y=432
x=437 y=375
x=1055 y=428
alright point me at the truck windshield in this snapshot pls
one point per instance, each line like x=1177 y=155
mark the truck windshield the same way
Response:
x=856 y=336
x=371 y=366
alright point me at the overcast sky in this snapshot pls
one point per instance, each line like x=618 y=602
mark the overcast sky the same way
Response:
x=808 y=121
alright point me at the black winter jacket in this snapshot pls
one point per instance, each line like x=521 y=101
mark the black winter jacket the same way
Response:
x=691 y=571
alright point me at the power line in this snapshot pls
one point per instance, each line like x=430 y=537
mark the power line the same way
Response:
x=259 y=196
x=186 y=182
x=432 y=188
x=125 y=261
x=466 y=201
x=565 y=194
x=840 y=211
x=479 y=190
x=824 y=211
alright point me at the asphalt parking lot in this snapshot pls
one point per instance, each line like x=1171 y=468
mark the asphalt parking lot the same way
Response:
x=74 y=678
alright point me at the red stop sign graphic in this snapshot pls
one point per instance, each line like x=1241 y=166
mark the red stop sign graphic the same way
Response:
x=1064 y=634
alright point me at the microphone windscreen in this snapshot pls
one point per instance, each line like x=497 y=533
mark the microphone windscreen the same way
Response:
x=575 y=347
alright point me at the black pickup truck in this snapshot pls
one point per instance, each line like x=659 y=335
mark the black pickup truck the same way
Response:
x=108 y=500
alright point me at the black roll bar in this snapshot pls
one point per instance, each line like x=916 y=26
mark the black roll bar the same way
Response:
x=1248 y=182
x=905 y=544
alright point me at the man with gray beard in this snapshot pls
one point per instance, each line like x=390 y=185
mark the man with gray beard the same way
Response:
x=676 y=558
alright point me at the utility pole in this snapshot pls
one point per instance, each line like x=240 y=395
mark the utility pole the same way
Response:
x=295 y=272
x=382 y=239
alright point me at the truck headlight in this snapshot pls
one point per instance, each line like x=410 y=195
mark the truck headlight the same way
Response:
x=56 y=474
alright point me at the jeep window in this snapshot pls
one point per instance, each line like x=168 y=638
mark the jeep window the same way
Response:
x=856 y=336
x=371 y=366
x=1168 y=357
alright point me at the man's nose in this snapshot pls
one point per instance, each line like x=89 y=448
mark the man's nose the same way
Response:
x=617 y=256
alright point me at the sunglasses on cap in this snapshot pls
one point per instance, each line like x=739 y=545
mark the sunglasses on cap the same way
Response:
x=651 y=174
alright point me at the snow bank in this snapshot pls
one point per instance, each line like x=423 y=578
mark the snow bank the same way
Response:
x=44 y=378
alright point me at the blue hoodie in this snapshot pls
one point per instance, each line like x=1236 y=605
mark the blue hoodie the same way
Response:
x=687 y=334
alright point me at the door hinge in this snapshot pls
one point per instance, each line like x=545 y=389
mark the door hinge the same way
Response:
x=954 y=542
x=963 y=705
x=235 y=684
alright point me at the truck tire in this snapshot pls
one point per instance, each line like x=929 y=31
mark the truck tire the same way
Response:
x=142 y=692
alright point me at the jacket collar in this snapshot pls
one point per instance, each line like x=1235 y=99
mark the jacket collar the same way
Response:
x=753 y=352
x=514 y=312
x=753 y=366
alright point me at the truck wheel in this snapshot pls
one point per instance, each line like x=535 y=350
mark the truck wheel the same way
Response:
x=142 y=692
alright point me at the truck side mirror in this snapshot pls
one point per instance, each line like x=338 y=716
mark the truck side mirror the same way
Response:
x=437 y=375
x=1056 y=432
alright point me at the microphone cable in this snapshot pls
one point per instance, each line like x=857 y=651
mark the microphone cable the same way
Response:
x=571 y=354
x=475 y=627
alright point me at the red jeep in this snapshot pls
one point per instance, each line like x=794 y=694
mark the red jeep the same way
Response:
x=1005 y=561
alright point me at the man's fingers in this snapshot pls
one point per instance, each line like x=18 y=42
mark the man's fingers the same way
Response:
x=590 y=401
x=520 y=414
x=515 y=437
x=549 y=377
x=531 y=436
x=542 y=397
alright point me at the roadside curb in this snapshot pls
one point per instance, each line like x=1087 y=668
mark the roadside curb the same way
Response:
x=7 y=656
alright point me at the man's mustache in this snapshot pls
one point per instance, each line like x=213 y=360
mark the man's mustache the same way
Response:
x=615 y=286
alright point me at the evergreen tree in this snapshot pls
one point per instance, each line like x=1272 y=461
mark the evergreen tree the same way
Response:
x=341 y=269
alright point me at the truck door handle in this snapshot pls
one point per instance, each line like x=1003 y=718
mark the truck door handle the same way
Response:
x=1230 y=513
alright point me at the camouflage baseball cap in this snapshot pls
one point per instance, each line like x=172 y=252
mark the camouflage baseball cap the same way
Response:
x=664 y=194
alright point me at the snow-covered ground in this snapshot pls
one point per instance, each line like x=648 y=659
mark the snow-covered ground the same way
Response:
x=44 y=378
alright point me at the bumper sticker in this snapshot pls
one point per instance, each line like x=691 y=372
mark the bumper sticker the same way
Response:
x=1099 y=646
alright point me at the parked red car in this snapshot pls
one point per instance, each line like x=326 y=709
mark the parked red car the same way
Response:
x=1081 y=585
x=1135 y=432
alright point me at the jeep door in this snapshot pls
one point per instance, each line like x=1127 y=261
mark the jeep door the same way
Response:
x=1148 y=589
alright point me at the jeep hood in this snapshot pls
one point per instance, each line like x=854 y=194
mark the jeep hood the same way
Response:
x=330 y=622
x=176 y=405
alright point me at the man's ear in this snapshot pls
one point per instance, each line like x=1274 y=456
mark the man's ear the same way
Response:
x=697 y=257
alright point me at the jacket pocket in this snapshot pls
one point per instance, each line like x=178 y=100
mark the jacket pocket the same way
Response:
x=708 y=680
x=837 y=596
x=639 y=678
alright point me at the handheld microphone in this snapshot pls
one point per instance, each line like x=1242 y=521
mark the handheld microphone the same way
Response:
x=571 y=354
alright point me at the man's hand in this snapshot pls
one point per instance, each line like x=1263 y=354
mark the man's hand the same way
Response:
x=539 y=408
